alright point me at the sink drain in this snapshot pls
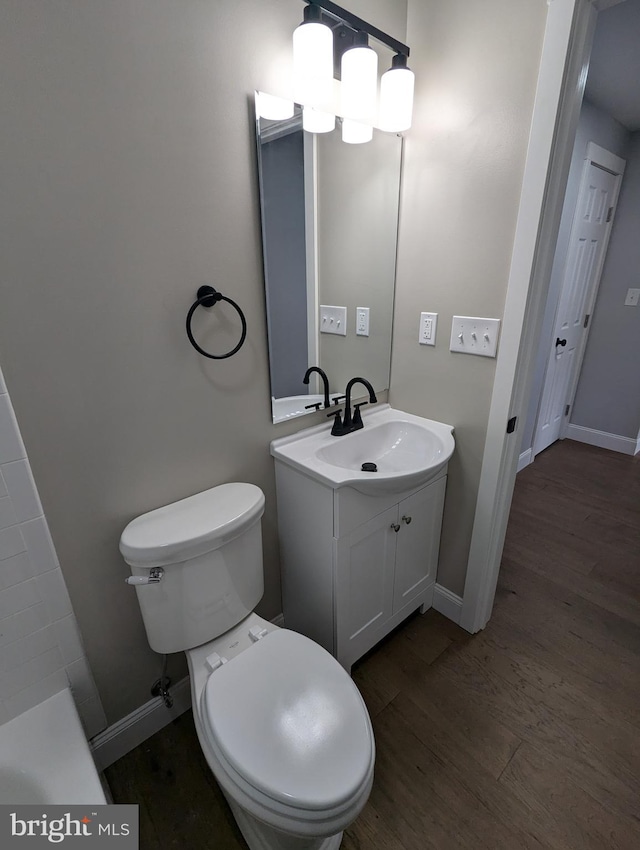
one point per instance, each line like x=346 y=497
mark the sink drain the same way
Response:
x=369 y=467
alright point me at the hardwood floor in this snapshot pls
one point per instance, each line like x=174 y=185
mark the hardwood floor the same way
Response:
x=525 y=735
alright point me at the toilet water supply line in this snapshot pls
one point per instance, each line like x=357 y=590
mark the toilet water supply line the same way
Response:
x=160 y=688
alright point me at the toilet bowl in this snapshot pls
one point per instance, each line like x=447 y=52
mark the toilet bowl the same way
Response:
x=281 y=724
x=286 y=734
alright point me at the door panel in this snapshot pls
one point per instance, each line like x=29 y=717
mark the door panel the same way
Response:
x=587 y=244
x=418 y=542
x=364 y=583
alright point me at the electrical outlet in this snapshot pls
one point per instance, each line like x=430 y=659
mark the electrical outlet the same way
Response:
x=633 y=297
x=362 y=321
x=333 y=320
x=471 y=335
x=427 y=331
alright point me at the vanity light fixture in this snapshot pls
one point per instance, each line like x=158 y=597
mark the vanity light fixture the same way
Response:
x=316 y=121
x=396 y=96
x=312 y=58
x=316 y=53
x=359 y=90
x=355 y=132
x=273 y=108
x=359 y=75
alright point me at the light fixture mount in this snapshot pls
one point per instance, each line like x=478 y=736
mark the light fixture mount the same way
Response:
x=346 y=27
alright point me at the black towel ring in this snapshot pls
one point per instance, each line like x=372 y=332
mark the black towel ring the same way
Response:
x=208 y=297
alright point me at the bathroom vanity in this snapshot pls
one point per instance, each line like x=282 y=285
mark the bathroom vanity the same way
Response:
x=359 y=551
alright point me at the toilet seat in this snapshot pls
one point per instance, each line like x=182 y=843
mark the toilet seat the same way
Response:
x=288 y=721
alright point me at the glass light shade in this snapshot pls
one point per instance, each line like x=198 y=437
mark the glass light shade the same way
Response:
x=396 y=100
x=315 y=121
x=356 y=133
x=273 y=108
x=359 y=87
x=312 y=63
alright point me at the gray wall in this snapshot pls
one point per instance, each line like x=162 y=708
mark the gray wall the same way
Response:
x=42 y=652
x=476 y=68
x=128 y=180
x=597 y=126
x=608 y=396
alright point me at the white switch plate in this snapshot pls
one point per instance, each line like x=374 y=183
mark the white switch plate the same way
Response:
x=333 y=320
x=427 y=331
x=633 y=297
x=362 y=321
x=472 y=335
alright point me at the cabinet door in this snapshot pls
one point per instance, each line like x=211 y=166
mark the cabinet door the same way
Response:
x=418 y=543
x=364 y=585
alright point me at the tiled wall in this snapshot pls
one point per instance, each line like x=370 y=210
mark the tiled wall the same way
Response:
x=40 y=647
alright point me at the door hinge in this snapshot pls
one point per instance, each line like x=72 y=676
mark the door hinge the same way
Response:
x=567 y=409
x=586 y=320
x=511 y=425
x=609 y=215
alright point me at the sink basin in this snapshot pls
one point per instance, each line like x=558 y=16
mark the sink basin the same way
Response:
x=407 y=451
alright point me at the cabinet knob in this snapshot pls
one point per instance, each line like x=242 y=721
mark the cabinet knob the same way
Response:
x=406 y=519
x=395 y=527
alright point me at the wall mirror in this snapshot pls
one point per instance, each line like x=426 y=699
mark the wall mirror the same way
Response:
x=329 y=229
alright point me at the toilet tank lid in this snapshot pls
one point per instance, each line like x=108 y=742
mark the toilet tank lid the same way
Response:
x=192 y=526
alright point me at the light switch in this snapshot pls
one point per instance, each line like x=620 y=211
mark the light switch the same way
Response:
x=427 y=331
x=472 y=335
x=633 y=297
x=362 y=321
x=333 y=320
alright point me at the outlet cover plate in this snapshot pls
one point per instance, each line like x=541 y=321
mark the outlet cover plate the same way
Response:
x=427 y=331
x=362 y=321
x=333 y=320
x=633 y=297
x=473 y=335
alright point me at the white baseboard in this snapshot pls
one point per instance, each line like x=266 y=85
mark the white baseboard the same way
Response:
x=145 y=721
x=525 y=459
x=603 y=440
x=447 y=603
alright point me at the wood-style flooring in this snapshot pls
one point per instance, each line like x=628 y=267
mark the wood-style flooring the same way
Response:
x=525 y=735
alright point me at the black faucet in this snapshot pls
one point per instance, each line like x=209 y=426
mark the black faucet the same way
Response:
x=325 y=382
x=349 y=423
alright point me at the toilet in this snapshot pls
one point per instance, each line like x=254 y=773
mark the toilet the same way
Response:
x=281 y=724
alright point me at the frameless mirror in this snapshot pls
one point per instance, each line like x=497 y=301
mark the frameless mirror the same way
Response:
x=329 y=231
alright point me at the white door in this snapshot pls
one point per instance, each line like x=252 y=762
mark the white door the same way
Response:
x=588 y=241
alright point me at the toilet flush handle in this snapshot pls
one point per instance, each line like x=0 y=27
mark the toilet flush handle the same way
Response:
x=155 y=575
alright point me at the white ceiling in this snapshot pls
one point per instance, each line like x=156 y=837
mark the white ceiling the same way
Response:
x=613 y=82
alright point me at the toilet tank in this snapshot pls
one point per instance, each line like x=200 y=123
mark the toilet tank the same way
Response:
x=210 y=548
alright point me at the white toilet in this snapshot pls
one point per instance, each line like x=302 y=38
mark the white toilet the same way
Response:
x=282 y=726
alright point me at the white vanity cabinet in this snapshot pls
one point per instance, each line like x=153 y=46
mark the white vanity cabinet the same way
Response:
x=355 y=565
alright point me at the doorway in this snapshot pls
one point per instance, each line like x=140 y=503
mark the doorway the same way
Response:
x=610 y=118
x=592 y=223
x=563 y=71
